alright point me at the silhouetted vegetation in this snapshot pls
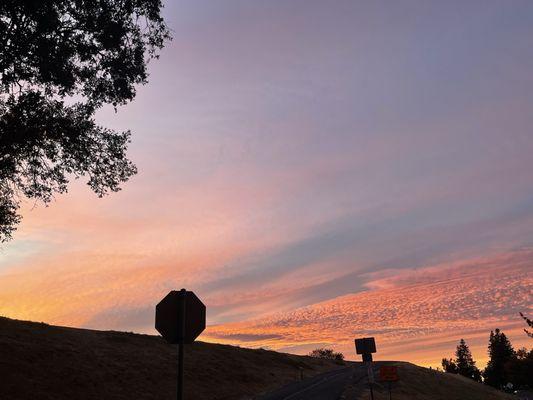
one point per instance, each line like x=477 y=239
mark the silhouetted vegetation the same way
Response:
x=61 y=60
x=519 y=370
x=506 y=369
x=327 y=354
x=529 y=323
x=448 y=364
x=463 y=364
x=500 y=353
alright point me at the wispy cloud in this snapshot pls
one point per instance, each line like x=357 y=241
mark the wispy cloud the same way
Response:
x=353 y=152
x=427 y=307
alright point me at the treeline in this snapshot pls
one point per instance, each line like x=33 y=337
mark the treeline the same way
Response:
x=507 y=369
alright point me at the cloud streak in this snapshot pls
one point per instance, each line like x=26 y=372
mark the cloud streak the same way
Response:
x=433 y=305
x=306 y=158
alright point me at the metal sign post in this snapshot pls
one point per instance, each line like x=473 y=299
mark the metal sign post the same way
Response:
x=181 y=347
x=370 y=375
x=389 y=374
x=180 y=318
x=365 y=347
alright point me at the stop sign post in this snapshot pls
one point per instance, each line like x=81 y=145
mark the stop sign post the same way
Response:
x=180 y=318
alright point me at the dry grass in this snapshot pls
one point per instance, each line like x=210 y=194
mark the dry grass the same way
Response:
x=418 y=383
x=43 y=362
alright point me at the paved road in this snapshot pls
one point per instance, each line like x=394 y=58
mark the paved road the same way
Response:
x=326 y=386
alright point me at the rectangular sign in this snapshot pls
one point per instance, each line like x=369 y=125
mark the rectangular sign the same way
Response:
x=388 y=373
x=365 y=345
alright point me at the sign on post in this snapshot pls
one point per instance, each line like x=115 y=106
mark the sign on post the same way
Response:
x=180 y=318
x=365 y=347
x=388 y=373
x=177 y=326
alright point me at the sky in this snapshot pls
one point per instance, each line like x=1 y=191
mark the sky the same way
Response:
x=315 y=172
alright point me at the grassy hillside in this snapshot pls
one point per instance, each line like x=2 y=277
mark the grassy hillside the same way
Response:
x=418 y=383
x=42 y=362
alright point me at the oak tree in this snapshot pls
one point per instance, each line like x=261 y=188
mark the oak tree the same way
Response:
x=61 y=60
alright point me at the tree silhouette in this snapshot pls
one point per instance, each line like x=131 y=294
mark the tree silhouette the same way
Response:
x=466 y=365
x=529 y=323
x=463 y=364
x=448 y=364
x=327 y=354
x=61 y=60
x=520 y=369
x=500 y=353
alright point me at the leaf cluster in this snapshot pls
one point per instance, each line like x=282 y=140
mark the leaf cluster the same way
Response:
x=61 y=60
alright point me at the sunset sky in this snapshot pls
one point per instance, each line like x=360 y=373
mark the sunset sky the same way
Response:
x=315 y=171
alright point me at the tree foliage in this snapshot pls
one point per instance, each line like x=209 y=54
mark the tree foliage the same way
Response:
x=448 y=365
x=500 y=353
x=466 y=365
x=520 y=369
x=529 y=323
x=506 y=369
x=463 y=364
x=61 y=60
x=327 y=354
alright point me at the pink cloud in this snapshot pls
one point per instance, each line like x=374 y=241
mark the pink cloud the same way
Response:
x=431 y=307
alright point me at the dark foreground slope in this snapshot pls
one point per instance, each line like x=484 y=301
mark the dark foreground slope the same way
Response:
x=43 y=362
x=418 y=383
x=40 y=362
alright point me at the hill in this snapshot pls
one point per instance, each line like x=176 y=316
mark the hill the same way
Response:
x=44 y=362
x=418 y=383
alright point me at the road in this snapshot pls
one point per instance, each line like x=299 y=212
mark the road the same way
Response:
x=326 y=386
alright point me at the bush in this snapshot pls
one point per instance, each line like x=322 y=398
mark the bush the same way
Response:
x=326 y=354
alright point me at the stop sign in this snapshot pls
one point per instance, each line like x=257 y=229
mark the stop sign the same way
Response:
x=180 y=317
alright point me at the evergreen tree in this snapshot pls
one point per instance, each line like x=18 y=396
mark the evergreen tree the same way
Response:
x=463 y=364
x=500 y=353
x=520 y=369
x=448 y=364
x=466 y=365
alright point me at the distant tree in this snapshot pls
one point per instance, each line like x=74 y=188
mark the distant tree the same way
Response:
x=463 y=364
x=520 y=369
x=523 y=353
x=500 y=353
x=61 y=60
x=466 y=365
x=327 y=354
x=529 y=323
x=448 y=365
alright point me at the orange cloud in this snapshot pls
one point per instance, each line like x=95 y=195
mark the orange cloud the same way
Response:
x=416 y=315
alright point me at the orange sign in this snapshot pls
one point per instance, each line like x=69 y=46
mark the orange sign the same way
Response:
x=388 y=373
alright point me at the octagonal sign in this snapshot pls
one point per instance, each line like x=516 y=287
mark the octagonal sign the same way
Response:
x=180 y=317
